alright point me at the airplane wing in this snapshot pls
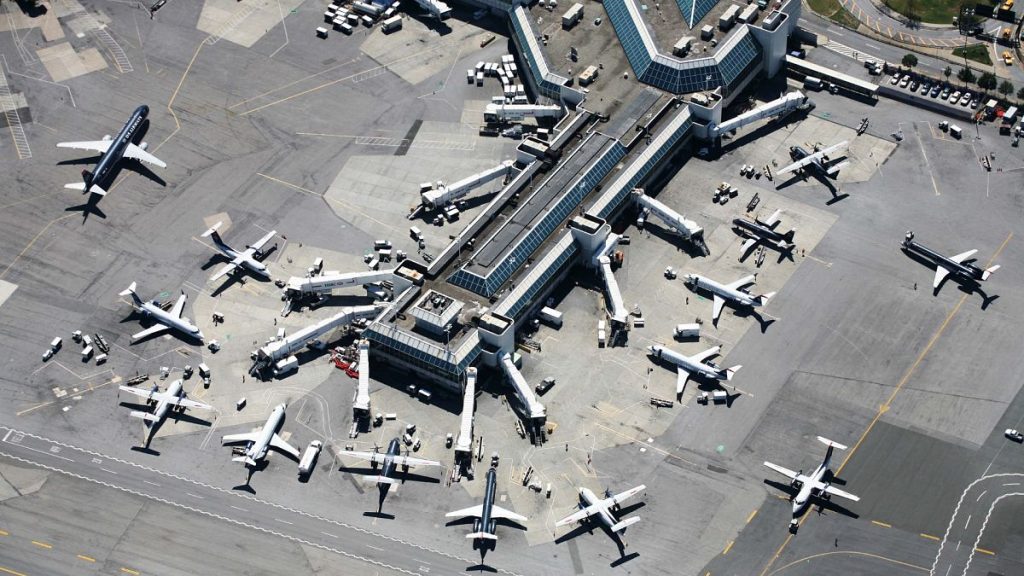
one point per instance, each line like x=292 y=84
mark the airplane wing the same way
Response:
x=940 y=273
x=100 y=146
x=717 y=306
x=784 y=471
x=747 y=246
x=797 y=165
x=499 y=512
x=188 y=403
x=959 y=258
x=278 y=443
x=156 y=329
x=833 y=148
x=741 y=282
x=239 y=438
x=622 y=496
x=410 y=461
x=258 y=245
x=681 y=377
x=474 y=511
x=705 y=354
x=179 y=306
x=837 y=492
x=774 y=219
x=147 y=394
x=577 y=516
x=225 y=270
x=136 y=153
x=376 y=457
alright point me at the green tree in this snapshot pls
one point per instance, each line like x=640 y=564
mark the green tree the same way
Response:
x=1005 y=88
x=909 y=60
x=947 y=73
x=1020 y=94
x=965 y=75
x=987 y=81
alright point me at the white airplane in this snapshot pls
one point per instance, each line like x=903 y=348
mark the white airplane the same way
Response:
x=687 y=366
x=259 y=443
x=817 y=485
x=731 y=292
x=165 y=320
x=603 y=509
x=162 y=403
x=246 y=259
x=818 y=161
x=389 y=461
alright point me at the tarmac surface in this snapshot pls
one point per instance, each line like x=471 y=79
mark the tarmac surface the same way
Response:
x=855 y=346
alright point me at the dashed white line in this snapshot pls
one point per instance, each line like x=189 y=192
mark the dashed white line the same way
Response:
x=374 y=547
x=194 y=495
x=968 y=522
x=328 y=534
x=1012 y=484
x=980 y=495
x=109 y=471
x=237 y=508
x=283 y=521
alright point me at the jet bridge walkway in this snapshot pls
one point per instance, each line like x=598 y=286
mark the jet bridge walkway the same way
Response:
x=464 y=443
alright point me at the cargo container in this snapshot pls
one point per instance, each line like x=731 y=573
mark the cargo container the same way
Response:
x=682 y=331
x=572 y=16
x=368 y=9
x=550 y=316
x=391 y=24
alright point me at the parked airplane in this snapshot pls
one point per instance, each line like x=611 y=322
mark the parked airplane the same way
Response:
x=817 y=485
x=246 y=259
x=112 y=150
x=763 y=232
x=723 y=292
x=259 y=443
x=388 y=461
x=687 y=366
x=165 y=320
x=484 y=526
x=162 y=403
x=819 y=161
x=603 y=509
x=958 y=265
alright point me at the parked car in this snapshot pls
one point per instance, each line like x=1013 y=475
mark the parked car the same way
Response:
x=935 y=91
x=975 y=103
x=1014 y=435
x=905 y=81
x=925 y=88
x=895 y=79
x=965 y=99
x=945 y=94
x=914 y=86
x=954 y=97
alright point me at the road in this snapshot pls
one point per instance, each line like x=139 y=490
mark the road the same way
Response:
x=233 y=507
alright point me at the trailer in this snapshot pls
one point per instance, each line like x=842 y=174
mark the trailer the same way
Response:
x=391 y=24
x=572 y=16
x=308 y=457
x=550 y=316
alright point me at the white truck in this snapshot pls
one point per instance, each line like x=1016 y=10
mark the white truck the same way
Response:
x=391 y=24
x=308 y=457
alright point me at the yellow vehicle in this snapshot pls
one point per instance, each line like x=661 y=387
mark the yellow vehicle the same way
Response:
x=1007 y=58
x=1006 y=34
x=1008 y=5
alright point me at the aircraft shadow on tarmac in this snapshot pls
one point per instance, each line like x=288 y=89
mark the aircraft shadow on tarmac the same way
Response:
x=965 y=285
x=744 y=312
x=688 y=248
x=588 y=525
x=827 y=182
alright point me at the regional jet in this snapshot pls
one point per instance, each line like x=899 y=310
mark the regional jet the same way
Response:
x=484 y=526
x=763 y=232
x=388 y=461
x=818 y=485
x=819 y=161
x=259 y=443
x=730 y=292
x=687 y=366
x=603 y=509
x=959 y=265
x=165 y=320
x=112 y=150
x=247 y=259
x=162 y=403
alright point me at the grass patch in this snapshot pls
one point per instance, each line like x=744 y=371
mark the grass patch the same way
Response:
x=832 y=10
x=932 y=11
x=976 y=52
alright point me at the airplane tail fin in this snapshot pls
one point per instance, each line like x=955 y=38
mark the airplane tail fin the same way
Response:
x=730 y=372
x=763 y=299
x=621 y=526
x=988 y=272
x=212 y=232
x=144 y=415
x=247 y=460
x=380 y=479
x=482 y=536
x=130 y=291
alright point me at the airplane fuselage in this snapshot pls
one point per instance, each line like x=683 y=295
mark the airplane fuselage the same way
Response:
x=807 y=488
x=798 y=153
x=258 y=450
x=394 y=449
x=163 y=406
x=699 y=282
x=245 y=259
x=114 y=154
x=763 y=233
x=964 y=270
x=169 y=320
x=486 y=524
x=684 y=362
x=589 y=498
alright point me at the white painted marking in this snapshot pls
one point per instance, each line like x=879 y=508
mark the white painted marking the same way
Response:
x=109 y=471
x=1012 y=484
x=194 y=495
x=870 y=45
x=980 y=495
x=329 y=534
x=150 y=483
x=968 y=522
x=374 y=547
x=237 y=508
x=283 y=521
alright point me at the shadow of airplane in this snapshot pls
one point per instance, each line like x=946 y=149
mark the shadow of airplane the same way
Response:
x=588 y=525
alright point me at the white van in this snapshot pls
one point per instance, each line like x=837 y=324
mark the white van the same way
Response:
x=956 y=131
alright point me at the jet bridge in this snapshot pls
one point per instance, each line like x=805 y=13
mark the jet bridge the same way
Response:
x=533 y=409
x=326 y=283
x=778 y=107
x=442 y=195
x=595 y=238
x=688 y=229
x=617 y=309
x=464 y=444
x=279 y=353
x=361 y=401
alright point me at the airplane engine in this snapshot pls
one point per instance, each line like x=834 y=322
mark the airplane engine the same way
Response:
x=491 y=526
x=144 y=145
x=476 y=525
x=107 y=137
